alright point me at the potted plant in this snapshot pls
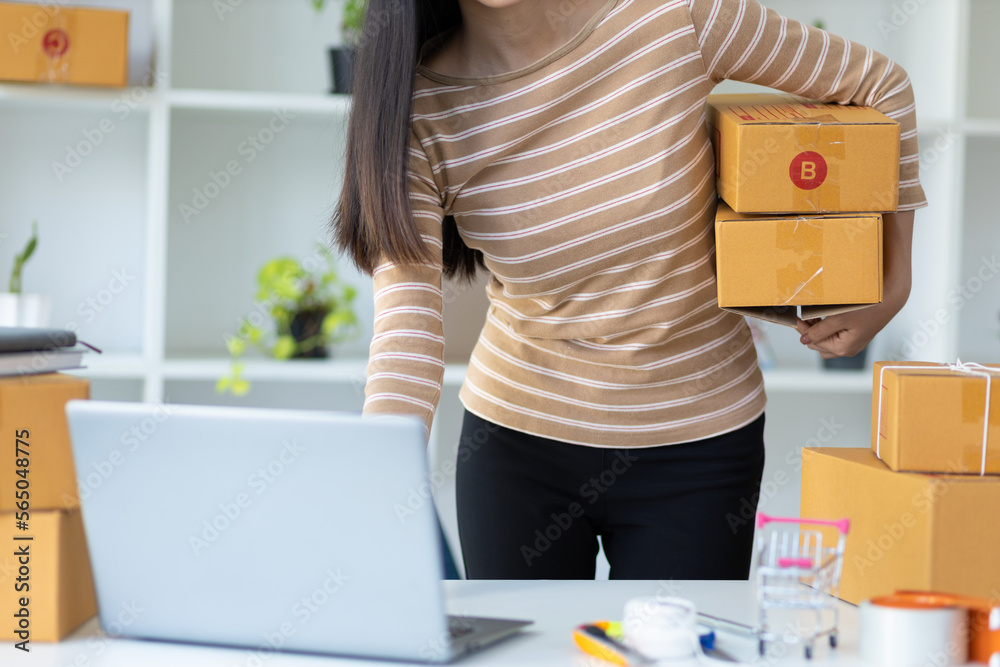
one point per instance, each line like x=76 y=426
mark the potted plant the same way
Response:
x=352 y=24
x=18 y=309
x=309 y=306
x=855 y=363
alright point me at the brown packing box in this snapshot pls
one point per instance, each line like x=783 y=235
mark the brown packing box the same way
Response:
x=931 y=418
x=908 y=531
x=783 y=154
x=37 y=404
x=767 y=265
x=49 y=42
x=60 y=594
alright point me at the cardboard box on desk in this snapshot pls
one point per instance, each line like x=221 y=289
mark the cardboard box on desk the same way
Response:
x=52 y=43
x=931 y=417
x=908 y=531
x=33 y=409
x=782 y=154
x=48 y=591
x=768 y=265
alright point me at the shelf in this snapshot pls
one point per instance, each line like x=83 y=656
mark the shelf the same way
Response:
x=114 y=100
x=352 y=369
x=240 y=101
x=333 y=370
x=212 y=368
x=129 y=366
x=982 y=127
x=818 y=381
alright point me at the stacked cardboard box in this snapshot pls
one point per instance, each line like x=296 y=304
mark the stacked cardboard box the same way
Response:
x=46 y=586
x=75 y=45
x=936 y=418
x=932 y=530
x=803 y=187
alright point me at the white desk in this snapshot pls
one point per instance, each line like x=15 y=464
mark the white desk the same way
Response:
x=556 y=607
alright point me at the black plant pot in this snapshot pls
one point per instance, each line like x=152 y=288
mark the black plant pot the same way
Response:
x=855 y=363
x=304 y=325
x=342 y=69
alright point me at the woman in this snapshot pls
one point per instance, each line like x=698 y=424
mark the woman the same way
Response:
x=563 y=147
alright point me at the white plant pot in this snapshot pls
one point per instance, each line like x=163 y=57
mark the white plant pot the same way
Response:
x=25 y=310
x=8 y=309
x=34 y=310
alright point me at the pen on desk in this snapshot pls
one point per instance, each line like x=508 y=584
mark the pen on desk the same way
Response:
x=726 y=625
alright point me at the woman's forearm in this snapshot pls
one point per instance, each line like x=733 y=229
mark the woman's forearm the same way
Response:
x=897 y=246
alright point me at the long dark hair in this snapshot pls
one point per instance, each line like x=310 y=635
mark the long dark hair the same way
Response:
x=373 y=219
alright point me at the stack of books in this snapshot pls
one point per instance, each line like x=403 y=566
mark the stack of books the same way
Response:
x=31 y=351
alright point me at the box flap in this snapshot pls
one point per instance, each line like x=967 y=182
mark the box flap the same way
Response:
x=785 y=315
x=811 y=312
x=772 y=109
x=789 y=315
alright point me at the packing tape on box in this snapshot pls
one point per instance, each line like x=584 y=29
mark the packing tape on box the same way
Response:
x=970 y=368
x=898 y=632
x=801 y=248
x=816 y=177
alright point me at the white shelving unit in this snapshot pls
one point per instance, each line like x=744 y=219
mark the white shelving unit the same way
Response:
x=260 y=70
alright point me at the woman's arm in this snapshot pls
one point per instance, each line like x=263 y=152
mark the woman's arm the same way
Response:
x=406 y=357
x=742 y=40
x=846 y=334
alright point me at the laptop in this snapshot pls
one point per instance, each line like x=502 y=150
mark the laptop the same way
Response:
x=266 y=529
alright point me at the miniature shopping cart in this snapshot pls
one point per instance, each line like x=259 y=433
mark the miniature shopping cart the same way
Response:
x=790 y=555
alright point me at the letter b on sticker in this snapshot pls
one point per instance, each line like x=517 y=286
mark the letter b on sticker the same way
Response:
x=807 y=170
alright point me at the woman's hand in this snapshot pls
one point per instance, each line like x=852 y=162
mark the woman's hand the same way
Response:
x=847 y=334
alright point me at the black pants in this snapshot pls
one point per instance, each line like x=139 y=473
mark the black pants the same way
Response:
x=533 y=508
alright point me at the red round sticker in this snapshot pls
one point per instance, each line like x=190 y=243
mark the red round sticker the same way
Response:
x=807 y=170
x=55 y=43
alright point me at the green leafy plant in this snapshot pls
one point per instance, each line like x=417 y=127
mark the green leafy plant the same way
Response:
x=352 y=21
x=309 y=307
x=21 y=258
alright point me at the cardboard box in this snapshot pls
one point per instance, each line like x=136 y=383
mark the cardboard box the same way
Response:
x=931 y=418
x=783 y=154
x=766 y=265
x=58 y=586
x=908 y=531
x=49 y=42
x=36 y=404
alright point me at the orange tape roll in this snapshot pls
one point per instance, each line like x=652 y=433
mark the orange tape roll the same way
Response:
x=984 y=619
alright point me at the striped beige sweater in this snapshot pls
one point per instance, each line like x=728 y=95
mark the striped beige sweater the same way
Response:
x=587 y=180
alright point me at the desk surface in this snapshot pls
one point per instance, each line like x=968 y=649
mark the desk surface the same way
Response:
x=556 y=607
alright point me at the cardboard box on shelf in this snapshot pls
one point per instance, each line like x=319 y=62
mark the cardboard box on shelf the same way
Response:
x=931 y=417
x=782 y=154
x=57 y=593
x=767 y=265
x=909 y=531
x=53 y=43
x=33 y=410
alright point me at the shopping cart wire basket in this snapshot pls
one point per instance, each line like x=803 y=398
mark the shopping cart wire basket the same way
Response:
x=795 y=571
